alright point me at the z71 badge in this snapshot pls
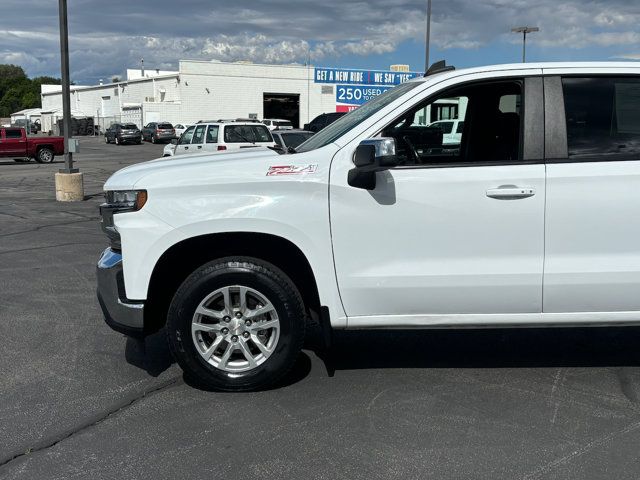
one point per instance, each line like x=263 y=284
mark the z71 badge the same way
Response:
x=291 y=170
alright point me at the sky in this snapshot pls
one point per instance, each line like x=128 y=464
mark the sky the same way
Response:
x=107 y=37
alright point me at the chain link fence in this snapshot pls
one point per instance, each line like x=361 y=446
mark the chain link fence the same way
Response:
x=80 y=126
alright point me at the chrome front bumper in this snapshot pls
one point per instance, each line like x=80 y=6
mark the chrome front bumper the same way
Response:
x=121 y=314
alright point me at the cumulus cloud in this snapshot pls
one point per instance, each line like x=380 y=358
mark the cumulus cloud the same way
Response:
x=105 y=41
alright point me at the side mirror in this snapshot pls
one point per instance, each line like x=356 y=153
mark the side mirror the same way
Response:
x=371 y=156
x=174 y=141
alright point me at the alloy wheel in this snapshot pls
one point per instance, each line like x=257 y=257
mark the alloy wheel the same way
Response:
x=235 y=328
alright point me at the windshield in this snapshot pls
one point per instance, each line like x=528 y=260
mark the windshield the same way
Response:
x=354 y=118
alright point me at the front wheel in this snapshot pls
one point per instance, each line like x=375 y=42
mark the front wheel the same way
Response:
x=117 y=141
x=45 y=155
x=106 y=139
x=236 y=324
x=153 y=139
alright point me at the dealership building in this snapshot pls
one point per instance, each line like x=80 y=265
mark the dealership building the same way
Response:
x=206 y=90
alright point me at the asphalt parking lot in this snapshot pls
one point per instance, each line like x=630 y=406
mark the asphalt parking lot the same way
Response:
x=78 y=400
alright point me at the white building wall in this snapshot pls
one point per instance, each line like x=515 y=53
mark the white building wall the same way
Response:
x=136 y=73
x=201 y=91
x=158 y=94
x=237 y=89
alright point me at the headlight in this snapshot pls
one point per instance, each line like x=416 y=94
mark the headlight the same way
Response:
x=119 y=201
x=126 y=200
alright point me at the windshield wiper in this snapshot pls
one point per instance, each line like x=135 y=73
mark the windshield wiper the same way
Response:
x=242 y=137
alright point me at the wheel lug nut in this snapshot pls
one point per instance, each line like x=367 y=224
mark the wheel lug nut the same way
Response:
x=247 y=323
x=238 y=314
x=226 y=319
x=234 y=338
x=245 y=334
x=225 y=331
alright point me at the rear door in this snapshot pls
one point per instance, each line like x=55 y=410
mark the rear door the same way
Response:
x=13 y=143
x=592 y=233
x=211 y=138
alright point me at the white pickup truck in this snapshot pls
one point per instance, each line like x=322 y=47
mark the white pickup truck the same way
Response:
x=533 y=219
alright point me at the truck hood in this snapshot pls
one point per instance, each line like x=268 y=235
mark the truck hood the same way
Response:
x=128 y=177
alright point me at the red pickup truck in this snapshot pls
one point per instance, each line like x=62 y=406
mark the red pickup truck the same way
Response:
x=15 y=144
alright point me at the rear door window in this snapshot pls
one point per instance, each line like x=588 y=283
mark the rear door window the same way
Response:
x=603 y=117
x=13 y=133
x=212 y=134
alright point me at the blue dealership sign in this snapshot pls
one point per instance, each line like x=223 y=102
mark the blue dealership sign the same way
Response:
x=357 y=94
x=361 y=77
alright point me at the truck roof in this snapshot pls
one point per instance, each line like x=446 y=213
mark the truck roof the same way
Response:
x=547 y=67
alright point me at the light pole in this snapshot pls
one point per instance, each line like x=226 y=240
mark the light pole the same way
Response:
x=428 y=39
x=69 y=183
x=66 y=90
x=524 y=31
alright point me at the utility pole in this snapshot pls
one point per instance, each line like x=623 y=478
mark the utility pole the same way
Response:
x=524 y=31
x=69 y=183
x=428 y=39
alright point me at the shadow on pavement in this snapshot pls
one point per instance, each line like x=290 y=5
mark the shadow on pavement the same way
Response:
x=495 y=348
x=499 y=348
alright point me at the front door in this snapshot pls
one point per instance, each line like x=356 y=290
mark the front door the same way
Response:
x=184 y=143
x=456 y=228
x=13 y=143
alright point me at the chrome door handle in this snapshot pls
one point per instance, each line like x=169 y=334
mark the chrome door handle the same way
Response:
x=510 y=192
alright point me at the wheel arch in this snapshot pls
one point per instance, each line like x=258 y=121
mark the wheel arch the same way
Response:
x=182 y=258
x=44 y=145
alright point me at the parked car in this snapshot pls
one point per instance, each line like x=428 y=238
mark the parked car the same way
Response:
x=15 y=144
x=156 y=132
x=372 y=224
x=322 y=121
x=221 y=136
x=451 y=131
x=121 y=133
x=179 y=129
x=277 y=124
x=169 y=149
x=286 y=139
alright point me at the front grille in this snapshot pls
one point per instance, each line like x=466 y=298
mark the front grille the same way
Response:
x=108 y=227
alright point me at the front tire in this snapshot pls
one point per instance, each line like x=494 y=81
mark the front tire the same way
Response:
x=236 y=324
x=45 y=155
x=117 y=141
x=153 y=139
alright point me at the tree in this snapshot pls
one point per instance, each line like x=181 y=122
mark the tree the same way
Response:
x=18 y=92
